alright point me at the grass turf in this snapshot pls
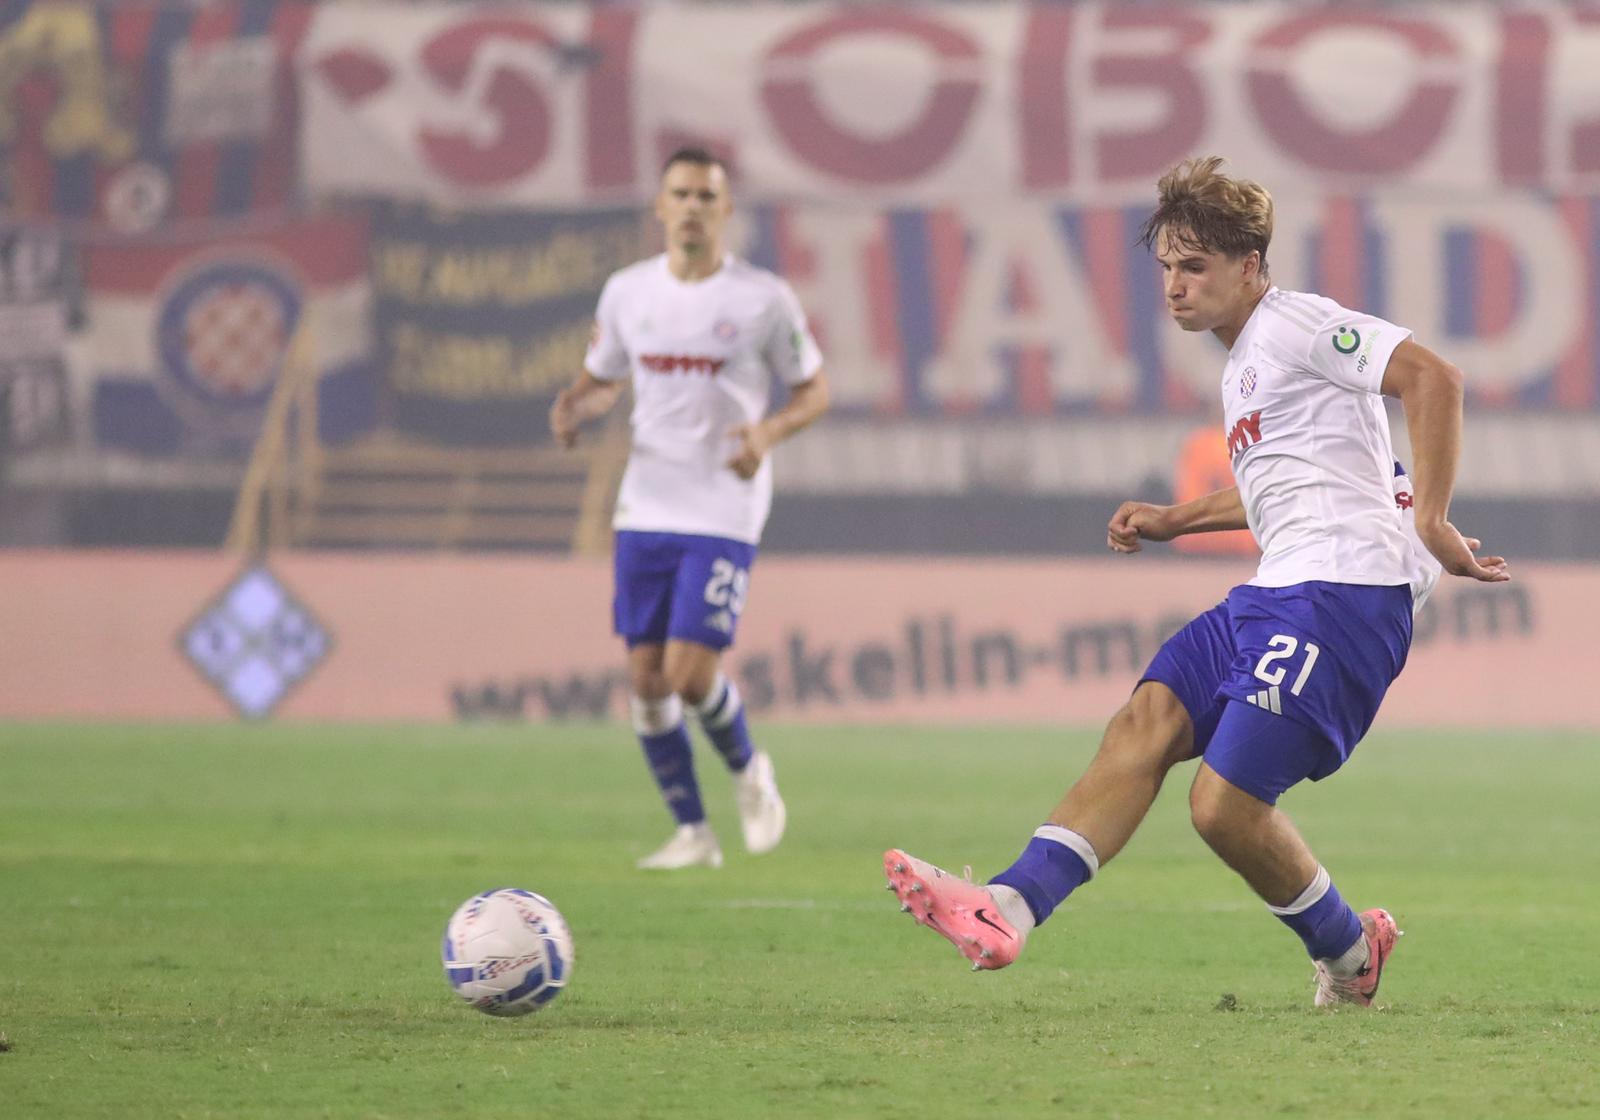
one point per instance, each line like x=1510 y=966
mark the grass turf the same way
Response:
x=244 y=922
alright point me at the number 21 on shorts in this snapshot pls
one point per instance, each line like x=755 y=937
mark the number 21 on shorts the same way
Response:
x=1280 y=648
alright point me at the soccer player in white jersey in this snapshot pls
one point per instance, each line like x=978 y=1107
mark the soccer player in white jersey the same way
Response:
x=1280 y=681
x=703 y=335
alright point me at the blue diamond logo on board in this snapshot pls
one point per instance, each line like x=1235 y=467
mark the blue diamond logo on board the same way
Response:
x=255 y=642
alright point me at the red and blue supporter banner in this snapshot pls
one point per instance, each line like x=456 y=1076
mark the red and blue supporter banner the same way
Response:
x=126 y=116
x=188 y=339
x=1032 y=309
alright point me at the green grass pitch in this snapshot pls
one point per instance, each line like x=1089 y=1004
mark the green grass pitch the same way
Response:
x=244 y=922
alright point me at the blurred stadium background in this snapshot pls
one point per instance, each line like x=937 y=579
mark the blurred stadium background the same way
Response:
x=429 y=196
x=285 y=293
x=297 y=280
x=286 y=290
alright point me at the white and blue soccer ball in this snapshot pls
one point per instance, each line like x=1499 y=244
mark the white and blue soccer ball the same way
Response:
x=507 y=951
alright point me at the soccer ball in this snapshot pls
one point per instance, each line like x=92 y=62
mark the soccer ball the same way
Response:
x=507 y=952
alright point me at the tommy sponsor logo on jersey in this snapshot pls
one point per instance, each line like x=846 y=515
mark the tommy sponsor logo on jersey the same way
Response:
x=681 y=363
x=1246 y=432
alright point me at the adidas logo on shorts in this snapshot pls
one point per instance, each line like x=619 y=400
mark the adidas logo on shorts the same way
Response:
x=1267 y=698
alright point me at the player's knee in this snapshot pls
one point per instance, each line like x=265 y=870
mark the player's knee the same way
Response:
x=649 y=684
x=1205 y=813
x=655 y=716
x=1152 y=729
x=1214 y=808
x=693 y=692
x=690 y=678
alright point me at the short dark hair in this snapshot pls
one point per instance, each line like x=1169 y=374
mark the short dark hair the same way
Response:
x=700 y=157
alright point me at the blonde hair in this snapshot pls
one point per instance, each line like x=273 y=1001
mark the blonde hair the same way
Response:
x=1200 y=208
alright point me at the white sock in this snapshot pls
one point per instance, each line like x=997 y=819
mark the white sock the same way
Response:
x=1013 y=907
x=1351 y=961
x=721 y=704
x=656 y=717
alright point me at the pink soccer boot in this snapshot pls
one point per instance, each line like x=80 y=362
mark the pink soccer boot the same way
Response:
x=959 y=910
x=1379 y=930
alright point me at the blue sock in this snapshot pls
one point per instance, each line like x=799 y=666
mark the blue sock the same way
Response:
x=1323 y=920
x=722 y=719
x=661 y=731
x=1056 y=862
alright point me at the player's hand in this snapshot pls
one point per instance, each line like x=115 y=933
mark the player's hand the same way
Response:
x=753 y=446
x=1459 y=556
x=564 y=419
x=1139 y=521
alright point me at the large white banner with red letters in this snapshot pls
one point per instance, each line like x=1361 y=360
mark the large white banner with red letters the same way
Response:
x=932 y=103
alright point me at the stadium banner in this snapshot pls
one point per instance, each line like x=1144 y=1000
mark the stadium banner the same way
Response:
x=187 y=337
x=121 y=118
x=307 y=636
x=1035 y=309
x=956 y=190
x=925 y=104
x=482 y=316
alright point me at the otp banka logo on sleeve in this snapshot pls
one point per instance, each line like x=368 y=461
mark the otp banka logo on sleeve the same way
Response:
x=255 y=642
x=222 y=333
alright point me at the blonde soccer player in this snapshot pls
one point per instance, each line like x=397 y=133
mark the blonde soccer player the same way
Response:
x=1279 y=682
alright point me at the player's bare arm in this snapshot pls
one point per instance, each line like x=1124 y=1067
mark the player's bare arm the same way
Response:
x=1430 y=390
x=588 y=398
x=1135 y=522
x=807 y=401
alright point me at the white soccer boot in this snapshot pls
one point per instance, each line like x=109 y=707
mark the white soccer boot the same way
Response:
x=693 y=845
x=761 y=810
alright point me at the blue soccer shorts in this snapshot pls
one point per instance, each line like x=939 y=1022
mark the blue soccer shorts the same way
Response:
x=679 y=586
x=1281 y=683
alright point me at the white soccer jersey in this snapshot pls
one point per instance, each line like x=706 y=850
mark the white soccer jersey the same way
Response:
x=703 y=356
x=1309 y=440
